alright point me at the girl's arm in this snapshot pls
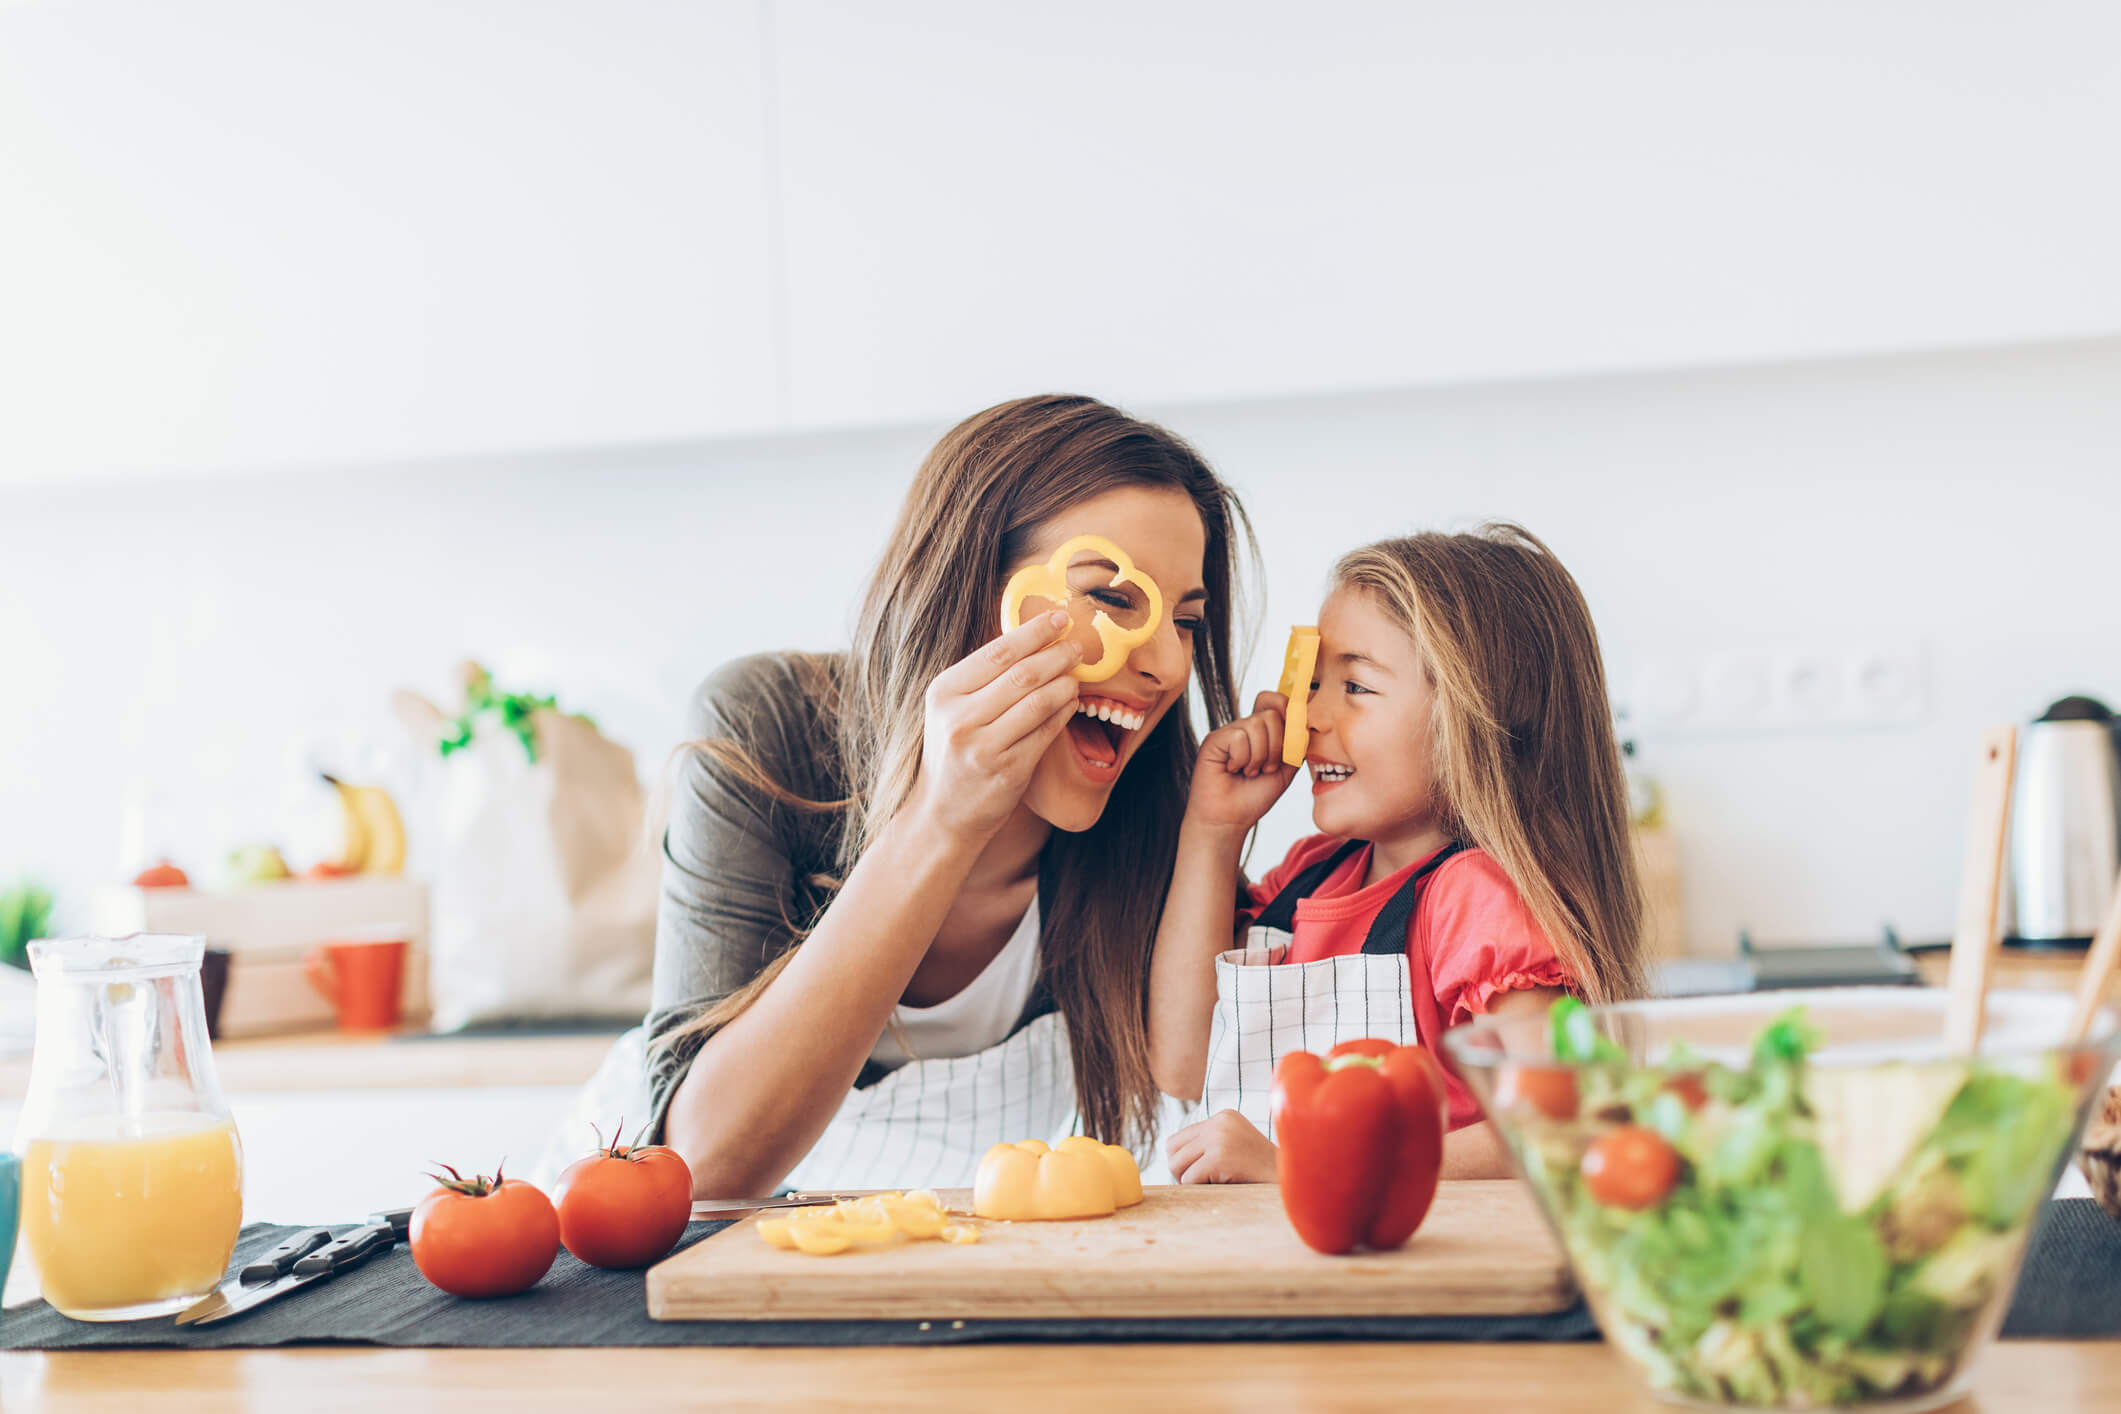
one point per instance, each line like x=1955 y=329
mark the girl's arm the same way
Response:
x=1236 y=780
x=1477 y=1151
x=1227 y=1148
x=763 y=1088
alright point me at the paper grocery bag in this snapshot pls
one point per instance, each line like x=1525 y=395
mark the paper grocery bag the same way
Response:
x=544 y=894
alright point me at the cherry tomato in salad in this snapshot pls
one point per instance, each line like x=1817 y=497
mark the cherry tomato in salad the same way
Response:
x=483 y=1237
x=1688 y=1087
x=1549 y=1089
x=624 y=1207
x=1630 y=1167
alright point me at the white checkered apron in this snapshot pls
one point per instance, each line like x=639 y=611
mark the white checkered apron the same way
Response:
x=926 y=1124
x=1266 y=1008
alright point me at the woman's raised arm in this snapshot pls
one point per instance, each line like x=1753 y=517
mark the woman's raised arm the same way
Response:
x=761 y=1090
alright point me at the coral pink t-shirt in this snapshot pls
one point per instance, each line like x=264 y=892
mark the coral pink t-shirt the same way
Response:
x=1471 y=939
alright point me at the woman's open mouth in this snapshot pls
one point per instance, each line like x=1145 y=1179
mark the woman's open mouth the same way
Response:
x=1098 y=733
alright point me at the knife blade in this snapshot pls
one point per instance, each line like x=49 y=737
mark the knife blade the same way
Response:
x=271 y=1267
x=314 y=1263
x=708 y=1208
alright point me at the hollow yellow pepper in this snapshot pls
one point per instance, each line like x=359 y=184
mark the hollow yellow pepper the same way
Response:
x=1031 y=1182
x=1050 y=581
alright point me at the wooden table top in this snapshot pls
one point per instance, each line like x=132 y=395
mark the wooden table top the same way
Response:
x=2042 y=1376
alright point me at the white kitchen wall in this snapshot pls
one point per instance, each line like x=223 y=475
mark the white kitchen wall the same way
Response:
x=188 y=645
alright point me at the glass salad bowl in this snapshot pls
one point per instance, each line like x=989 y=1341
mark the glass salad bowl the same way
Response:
x=1791 y=1200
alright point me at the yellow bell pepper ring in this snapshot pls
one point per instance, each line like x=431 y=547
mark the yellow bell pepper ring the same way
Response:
x=1029 y=1182
x=1299 y=669
x=1050 y=581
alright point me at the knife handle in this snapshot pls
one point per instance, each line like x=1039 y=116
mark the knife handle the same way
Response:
x=400 y=1220
x=343 y=1252
x=281 y=1260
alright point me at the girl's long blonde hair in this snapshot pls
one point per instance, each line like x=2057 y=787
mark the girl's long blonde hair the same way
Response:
x=974 y=509
x=1527 y=767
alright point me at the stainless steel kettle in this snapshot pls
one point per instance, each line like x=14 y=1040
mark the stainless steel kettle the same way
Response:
x=2065 y=822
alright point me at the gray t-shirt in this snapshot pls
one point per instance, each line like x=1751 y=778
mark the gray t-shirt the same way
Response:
x=743 y=872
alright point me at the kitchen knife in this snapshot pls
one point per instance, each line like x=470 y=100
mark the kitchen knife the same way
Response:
x=298 y=1262
x=269 y=1268
x=715 y=1208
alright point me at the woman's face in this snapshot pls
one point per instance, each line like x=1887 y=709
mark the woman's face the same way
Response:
x=1161 y=531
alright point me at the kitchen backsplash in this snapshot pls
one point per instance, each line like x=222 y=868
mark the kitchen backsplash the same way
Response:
x=177 y=654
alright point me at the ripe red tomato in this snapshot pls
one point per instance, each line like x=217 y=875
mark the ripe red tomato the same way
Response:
x=1630 y=1167
x=624 y=1207
x=1688 y=1087
x=484 y=1236
x=1549 y=1089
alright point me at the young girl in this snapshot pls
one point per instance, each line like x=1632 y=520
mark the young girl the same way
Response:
x=1473 y=854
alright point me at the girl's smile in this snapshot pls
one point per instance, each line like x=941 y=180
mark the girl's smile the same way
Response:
x=1326 y=774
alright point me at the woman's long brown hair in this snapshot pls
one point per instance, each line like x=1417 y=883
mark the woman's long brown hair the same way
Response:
x=1527 y=767
x=974 y=509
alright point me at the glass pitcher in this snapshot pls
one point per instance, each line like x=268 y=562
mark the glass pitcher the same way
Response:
x=132 y=1173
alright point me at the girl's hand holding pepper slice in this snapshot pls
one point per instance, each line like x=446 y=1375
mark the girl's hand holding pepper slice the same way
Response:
x=1361 y=1132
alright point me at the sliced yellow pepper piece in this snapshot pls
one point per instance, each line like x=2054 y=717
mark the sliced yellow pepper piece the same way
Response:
x=1299 y=669
x=820 y=1237
x=961 y=1233
x=1050 y=581
x=872 y=1221
x=918 y=1221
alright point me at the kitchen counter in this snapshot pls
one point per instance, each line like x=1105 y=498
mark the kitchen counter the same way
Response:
x=337 y=1060
x=2044 y=1376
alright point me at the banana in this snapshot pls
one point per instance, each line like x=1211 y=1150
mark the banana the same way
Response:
x=386 y=830
x=353 y=830
x=375 y=833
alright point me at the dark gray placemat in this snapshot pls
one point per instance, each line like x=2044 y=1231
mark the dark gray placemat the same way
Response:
x=2072 y=1287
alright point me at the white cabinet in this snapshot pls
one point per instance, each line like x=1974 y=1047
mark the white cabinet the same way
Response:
x=1210 y=199
x=258 y=234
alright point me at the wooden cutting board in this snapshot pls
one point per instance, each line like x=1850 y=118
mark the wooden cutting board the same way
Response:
x=1206 y=1250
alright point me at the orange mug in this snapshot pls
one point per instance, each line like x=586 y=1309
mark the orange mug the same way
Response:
x=362 y=978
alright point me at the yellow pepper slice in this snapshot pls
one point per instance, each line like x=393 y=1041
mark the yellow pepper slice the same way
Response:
x=820 y=1237
x=1299 y=669
x=1028 y=1182
x=1050 y=581
x=962 y=1234
x=876 y=1220
x=918 y=1221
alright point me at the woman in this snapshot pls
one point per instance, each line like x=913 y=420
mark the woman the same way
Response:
x=909 y=891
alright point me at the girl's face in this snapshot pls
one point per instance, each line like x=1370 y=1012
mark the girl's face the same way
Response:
x=1371 y=760
x=1162 y=533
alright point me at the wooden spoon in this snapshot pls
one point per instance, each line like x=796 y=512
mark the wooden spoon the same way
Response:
x=2098 y=971
x=1980 y=883
x=2100 y=1158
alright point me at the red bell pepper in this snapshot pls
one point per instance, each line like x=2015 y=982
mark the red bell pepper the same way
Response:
x=1361 y=1141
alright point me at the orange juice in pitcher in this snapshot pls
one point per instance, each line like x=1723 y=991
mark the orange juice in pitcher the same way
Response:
x=117 y=1219
x=132 y=1173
